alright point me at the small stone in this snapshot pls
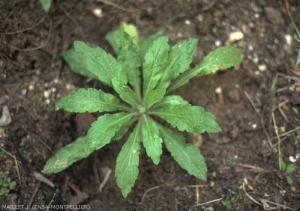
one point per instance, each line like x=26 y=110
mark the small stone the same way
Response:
x=5 y=118
x=46 y=94
x=218 y=90
x=235 y=36
x=70 y=87
x=98 y=12
x=187 y=22
x=197 y=140
x=218 y=43
x=30 y=87
x=24 y=92
x=262 y=67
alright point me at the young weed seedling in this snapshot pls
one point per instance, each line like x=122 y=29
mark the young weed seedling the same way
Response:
x=143 y=73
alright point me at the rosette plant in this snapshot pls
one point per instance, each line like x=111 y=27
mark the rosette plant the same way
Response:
x=143 y=75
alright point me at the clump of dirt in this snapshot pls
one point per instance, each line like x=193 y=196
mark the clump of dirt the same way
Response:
x=257 y=105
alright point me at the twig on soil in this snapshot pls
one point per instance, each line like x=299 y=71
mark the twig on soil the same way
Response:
x=43 y=179
x=16 y=162
x=293 y=22
x=250 y=197
x=208 y=202
x=33 y=195
x=281 y=111
x=116 y=6
x=253 y=169
x=294 y=78
x=279 y=140
x=27 y=29
x=197 y=190
x=265 y=201
x=105 y=180
x=151 y=189
x=35 y=48
x=287 y=133
x=262 y=122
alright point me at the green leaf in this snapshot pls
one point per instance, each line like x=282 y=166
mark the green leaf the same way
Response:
x=193 y=119
x=289 y=180
x=131 y=30
x=129 y=59
x=67 y=155
x=124 y=129
x=46 y=4
x=105 y=128
x=75 y=62
x=125 y=92
x=147 y=42
x=186 y=155
x=290 y=168
x=156 y=60
x=113 y=40
x=127 y=162
x=89 y=100
x=12 y=185
x=153 y=97
x=222 y=58
x=152 y=141
x=180 y=58
x=98 y=62
x=172 y=100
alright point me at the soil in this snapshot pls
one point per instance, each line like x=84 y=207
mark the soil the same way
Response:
x=250 y=102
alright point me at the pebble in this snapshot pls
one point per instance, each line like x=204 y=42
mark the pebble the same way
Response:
x=30 y=87
x=235 y=36
x=218 y=43
x=98 y=12
x=262 y=67
x=197 y=140
x=5 y=118
x=187 y=22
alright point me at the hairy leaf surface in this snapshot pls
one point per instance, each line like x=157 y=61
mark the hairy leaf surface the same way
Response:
x=124 y=129
x=67 y=155
x=148 y=41
x=154 y=97
x=186 y=155
x=156 y=60
x=105 y=128
x=125 y=92
x=75 y=62
x=128 y=161
x=97 y=61
x=220 y=59
x=90 y=100
x=172 y=100
x=129 y=58
x=180 y=58
x=152 y=141
x=192 y=119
